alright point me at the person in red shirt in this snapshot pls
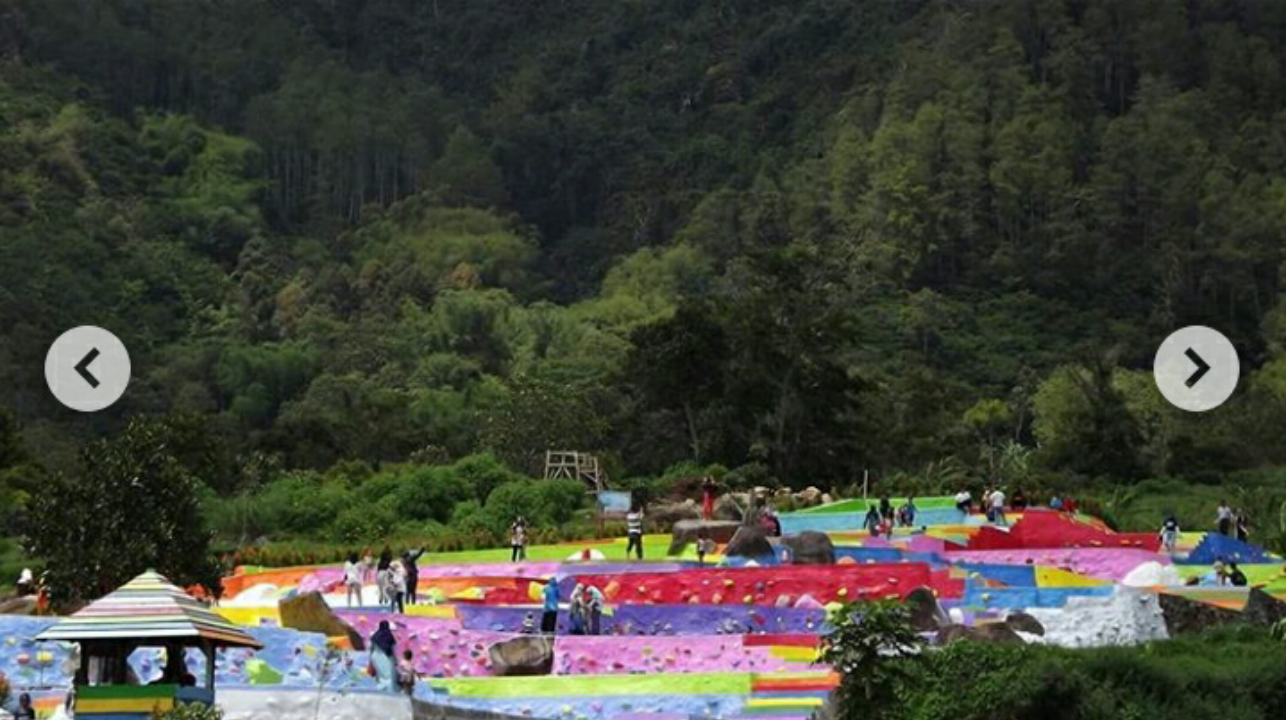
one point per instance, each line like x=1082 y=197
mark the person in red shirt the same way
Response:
x=708 y=487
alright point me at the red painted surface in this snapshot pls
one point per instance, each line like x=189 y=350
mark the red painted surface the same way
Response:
x=763 y=586
x=810 y=641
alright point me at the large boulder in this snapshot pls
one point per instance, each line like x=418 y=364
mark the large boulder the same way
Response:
x=808 y=497
x=926 y=614
x=810 y=548
x=310 y=613
x=687 y=531
x=998 y=633
x=21 y=605
x=670 y=513
x=532 y=655
x=1023 y=622
x=727 y=507
x=751 y=542
x=1184 y=616
x=1263 y=609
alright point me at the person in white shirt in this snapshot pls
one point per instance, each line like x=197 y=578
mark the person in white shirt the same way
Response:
x=634 y=531
x=997 y=502
x=1223 y=517
x=963 y=499
x=26 y=582
x=353 y=579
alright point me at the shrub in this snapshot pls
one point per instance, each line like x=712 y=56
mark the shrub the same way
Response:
x=189 y=711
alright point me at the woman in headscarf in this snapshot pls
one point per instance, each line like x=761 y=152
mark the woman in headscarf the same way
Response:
x=383 y=647
x=576 y=615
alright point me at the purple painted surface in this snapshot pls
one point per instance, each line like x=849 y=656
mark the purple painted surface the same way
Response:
x=661 y=619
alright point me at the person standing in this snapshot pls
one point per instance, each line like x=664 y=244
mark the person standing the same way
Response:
x=518 y=539
x=908 y=513
x=886 y=509
x=576 y=611
x=634 y=530
x=397 y=587
x=412 y=574
x=594 y=602
x=406 y=673
x=549 y=618
x=26 y=583
x=997 y=502
x=353 y=579
x=382 y=574
x=1223 y=519
x=963 y=500
x=872 y=521
x=1243 y=527
x=383 y=650
x=368 y=567
x=708 y=489
x=1170 y=534
x=705 y=546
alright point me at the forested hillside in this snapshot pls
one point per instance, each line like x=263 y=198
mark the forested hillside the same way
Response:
x=796 y=238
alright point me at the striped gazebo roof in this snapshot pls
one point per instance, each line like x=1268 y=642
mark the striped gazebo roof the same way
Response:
x=148 y=607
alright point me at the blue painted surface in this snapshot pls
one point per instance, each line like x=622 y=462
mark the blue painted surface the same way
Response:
x=1018 y=598
x=1215 y=546
x=792 y=523
x=1012 y=575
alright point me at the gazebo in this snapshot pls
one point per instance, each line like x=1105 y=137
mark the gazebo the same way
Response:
x=148 y=611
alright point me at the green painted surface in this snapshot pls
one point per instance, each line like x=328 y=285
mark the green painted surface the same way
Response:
x=124 y=692
x=585 y=685
x=654 y=548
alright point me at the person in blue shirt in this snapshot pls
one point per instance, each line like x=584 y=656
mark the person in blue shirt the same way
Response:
x=549 y=620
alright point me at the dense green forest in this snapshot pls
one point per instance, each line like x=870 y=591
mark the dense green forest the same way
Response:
x=799 y=239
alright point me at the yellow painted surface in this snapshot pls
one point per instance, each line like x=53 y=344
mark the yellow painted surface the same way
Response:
x=1057 y=577
x=431 y=611
x=250 y=617
x=793 y=654
x=123 y=705
x=784 y=702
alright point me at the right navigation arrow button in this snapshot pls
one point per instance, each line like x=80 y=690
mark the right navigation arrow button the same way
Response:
x=1202 y=367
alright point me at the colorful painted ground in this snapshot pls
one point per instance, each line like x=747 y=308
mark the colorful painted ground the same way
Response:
x=724 y=640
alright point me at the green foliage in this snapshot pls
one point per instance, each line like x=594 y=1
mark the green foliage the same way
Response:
x=135 y=507
x=1228 y=674
x=874 y=647
x=189 y=711
x=932 y=241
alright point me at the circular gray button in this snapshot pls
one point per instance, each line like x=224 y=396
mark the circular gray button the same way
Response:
x=87 y=368
x=1196 y=368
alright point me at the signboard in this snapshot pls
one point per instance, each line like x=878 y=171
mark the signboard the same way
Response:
x=613 y=503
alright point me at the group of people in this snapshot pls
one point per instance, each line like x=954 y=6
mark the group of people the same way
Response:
x=396 y=578
x=391 y=674
x=1232 y=523
x=881 y=518
x=585 y=610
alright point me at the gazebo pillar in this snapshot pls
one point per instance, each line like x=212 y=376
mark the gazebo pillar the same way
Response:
x=208 y=648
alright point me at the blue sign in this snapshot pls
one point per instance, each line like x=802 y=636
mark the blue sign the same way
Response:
x=613 y=502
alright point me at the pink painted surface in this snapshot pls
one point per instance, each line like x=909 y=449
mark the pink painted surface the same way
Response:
x=612 y=655
x=927 y=544
x=440 y=649
x=443 y=649
x=1106 y=563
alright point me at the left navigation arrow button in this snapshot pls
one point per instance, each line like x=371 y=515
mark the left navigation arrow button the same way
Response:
x=87 y=368
x=82 y=367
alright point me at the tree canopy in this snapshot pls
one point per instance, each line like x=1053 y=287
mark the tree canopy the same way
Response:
x=805 y=238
